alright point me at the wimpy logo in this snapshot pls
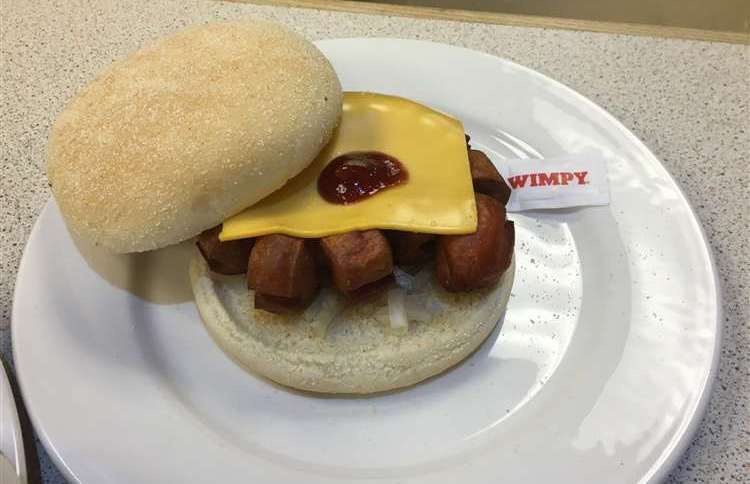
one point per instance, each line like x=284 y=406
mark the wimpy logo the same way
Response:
x=556 y=182
x=548 y=179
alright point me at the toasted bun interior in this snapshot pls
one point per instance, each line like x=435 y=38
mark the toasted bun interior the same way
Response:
x=189 y=131
x=359 y=353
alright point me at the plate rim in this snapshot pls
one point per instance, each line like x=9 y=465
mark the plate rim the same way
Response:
x=7 y=400
x=685 y=434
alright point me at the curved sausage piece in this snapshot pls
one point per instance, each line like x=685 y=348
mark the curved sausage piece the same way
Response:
x=371 y=290
x=486 y=178
x=466 y=262
x=282 y=272
x=410 y=248
x=278 y=304
x=357 y=258
x=224 y=257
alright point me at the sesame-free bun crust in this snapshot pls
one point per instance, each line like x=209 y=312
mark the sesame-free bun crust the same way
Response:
x=189 y=131
x=359 y=354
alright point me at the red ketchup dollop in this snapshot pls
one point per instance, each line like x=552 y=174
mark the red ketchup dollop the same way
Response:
x=355 y=176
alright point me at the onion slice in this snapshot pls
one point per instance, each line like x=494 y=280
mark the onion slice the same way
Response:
x=397 y=310
x=326 y=308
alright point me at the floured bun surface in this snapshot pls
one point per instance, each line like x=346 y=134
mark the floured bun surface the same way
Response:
x=359 y=353
x=189 y=131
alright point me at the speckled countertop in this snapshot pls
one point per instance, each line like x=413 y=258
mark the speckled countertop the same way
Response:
x=688 y=100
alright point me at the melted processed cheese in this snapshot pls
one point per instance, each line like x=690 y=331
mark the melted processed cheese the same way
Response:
x=438 y=198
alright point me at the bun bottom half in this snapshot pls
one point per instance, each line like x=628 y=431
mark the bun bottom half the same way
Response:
x=359 y=353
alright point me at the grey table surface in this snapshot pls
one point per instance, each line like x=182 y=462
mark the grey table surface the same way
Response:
x=687 y=100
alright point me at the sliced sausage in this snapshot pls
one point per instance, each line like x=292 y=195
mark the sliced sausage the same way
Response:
x=471 y=261
x=357 y=258
x=372 y=289
x=278 y=304
x=228 y=257
x=486 y=178
x=410 y=248
x=282 y=272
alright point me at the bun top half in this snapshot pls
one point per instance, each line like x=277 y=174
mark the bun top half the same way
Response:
x=189 y=131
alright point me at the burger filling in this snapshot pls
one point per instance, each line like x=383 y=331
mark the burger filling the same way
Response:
x=287 y=272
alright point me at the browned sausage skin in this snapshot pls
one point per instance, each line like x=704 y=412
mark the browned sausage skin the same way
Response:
x=357 y=258
x=371 y=290
x=471 y=261
x=282 y=272
x=224 y=257
x=278 y=304
x=486 y=178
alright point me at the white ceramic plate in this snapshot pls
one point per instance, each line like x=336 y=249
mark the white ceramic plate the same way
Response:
x=12 y=458
x=600 y=373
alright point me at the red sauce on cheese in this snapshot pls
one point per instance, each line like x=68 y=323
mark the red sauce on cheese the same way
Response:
x=355 y=176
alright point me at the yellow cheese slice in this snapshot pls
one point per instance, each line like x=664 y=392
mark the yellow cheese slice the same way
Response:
x=438 y=197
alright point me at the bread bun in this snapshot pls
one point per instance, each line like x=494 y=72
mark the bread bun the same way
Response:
x=189 y=131
x=359 y=353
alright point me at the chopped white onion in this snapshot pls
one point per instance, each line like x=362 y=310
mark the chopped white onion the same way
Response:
x=397 y=310
x=416 y=311
x=326 y=308
x=403 y=278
